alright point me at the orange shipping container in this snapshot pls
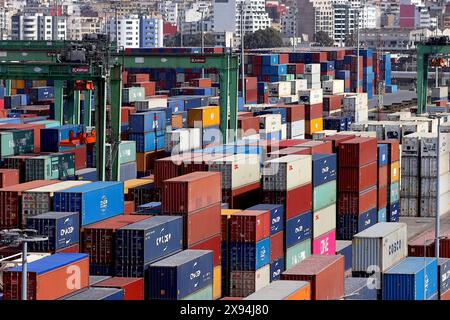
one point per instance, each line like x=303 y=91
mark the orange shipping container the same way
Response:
x=205 y=116
x=49 y=278
x=395 y=172
x=217 y=283
x=177 y=121
x=313 y=126
x=146 y=161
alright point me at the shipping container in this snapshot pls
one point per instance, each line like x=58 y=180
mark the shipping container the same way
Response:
x=298 y=253
x=286 y=173
x=283 y=290
x=324 y=168
x=298 y=229
x=133 y=288
x=324 y=220
x=357 y=179
x=324 y=195
x=249 y=256
x=180 y=275
x=295 y=201
x=357 y=152
x=95 y=201
x=325 y=274
x=325 y=244
x=8 y=177
x=98 y=294
x=413 y=278
x=276 y=216
x=360 y=289
x=250 y=226
x=48 y=277
x=244 y=283
x=344 y=248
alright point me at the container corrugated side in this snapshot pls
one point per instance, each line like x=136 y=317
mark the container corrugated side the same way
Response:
x=382 y=245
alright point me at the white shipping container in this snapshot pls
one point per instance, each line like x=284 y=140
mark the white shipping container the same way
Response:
x=177 y=141
x=315 y=86
x=280 y=89
x=287 y=172
x=313 y=79
x=324 y=221
x=270 y=122
x=429 y=144
x=409 y=207
x=409 y=186
x=414 y=127
x=195 y=138
x=241 y=282
x=393 y=131
x=432 y=123
x=284 y=131
x=298 y=85
x=411 y=145
x=312 y=68
x=322 y=134
x=39 y=200
x=237 y=170
x=428 y=186
x=428 y=166
x=295 y=128
x=382 y=246
x=399 y=116
x=311 y=96
x=410 y=166
x=378 y=127
x=333 y=86
x=359 y=126
x=439 y=92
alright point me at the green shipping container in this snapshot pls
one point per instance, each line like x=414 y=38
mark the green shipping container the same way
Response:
x=48 y=123
x=205 y=293
x=394 y=195
x=50 y=167
x=298 y=253
x=16 y=142
x=287 y=77
x=324 y=195
x=127 y=151
x=132 y=94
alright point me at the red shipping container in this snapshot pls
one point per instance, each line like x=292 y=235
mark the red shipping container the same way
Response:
x=394 y=149
x=213 y=244
x=313 y=111
x=27 y=126
x=251 y=83
x=283 y=58
x=170 y=167
x=275 y=145
x=294 y=112
x=337 y=139
x=251 y=95
x=325 y=274
x=201 y=225
x=250 y=226
x=425 y=244
x=243 y=197
x=318 y=147
x=2 y=103
x=133 y=288
x=199 y=163
x=357 y=152
x=355 y=203
x=331 y=103
x=149 y=87
x=124 y=77
x=4 y=113
x=138 y=77
x=249 y=125
x=201 y=83
x=444 y=297
x=72 y=249
x=49 y=285
x=128 y=207
x=191 y=192
x=289 y=151
x=99 y=238
x=382 y=197
x=296 y=68
x=9 y=177
x=296 y=201
x=80 y=153
x=357 y=179
x=11 y=202
x=276 y=246
x=383 y=176
x=318 y=57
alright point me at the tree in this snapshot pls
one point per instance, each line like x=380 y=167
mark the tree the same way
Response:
x=267 y=38
x=323 y=39
x=351 y=40
x=190 y=40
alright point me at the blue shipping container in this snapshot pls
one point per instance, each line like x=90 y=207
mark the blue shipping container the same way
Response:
x=324 y=168
x=98 y=294
x=95 y=201
x=358 y=289
x=51 y=262
x=147 y=121
x=249 y=256
x=382 y=155
x=276 y=216
x=148 y=141
x=150 y=208
x=393 y=212
x=41 y=94
x=298 y=229
x=349 y=225
x=414 y=278
x=276 y=268
x=180 y=275
x=147 y=241
x=344 y=248
x=61 y=228
x=444 y=275
x=53 y=136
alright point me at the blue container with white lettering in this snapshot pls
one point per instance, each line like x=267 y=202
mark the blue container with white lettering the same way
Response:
x=148 y=141
x=180 y=275
x=382 y=155
x=324 y=168
x=414 y=278
x=145 y=242
x=249 y=256
x=276 y=268
x=298 y=229
x=276 y=216
x=61 y=228
x=94 y=201
x=444 y=275
x=393 y=212
x=349 y=225
x=147 y=121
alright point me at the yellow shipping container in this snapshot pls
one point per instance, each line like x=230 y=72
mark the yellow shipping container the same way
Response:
x=217 y=283
x=207 y=116
x=13 y=91
x=134 y=183
x=395 y=172
x=313 y=126
x=20 y=84
x=13 y=84
x=39 y=83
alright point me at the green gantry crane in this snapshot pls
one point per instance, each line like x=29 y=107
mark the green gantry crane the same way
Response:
x=433 y=47
x=95 y=59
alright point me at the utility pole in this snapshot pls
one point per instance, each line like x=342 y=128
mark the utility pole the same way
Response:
x=294 y=43
x=438 y=222
x=357 y=53
x=242 y=51
x=202 y=23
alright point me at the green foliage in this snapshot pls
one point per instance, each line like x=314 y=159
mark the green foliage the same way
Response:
x=268 y=38
x=190 y=40
x=323 y=39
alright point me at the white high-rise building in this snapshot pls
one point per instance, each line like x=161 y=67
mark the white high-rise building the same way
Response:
x=126 y=32
x=369 y=17
x=169 y=11
x=36 y=27
x=77 y=27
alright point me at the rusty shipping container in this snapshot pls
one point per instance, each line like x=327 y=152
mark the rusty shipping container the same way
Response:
x=357 y=179
x=356 y=203
x=358 y=152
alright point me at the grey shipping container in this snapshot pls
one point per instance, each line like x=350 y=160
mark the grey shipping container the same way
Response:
x=279 y=290
x=360 y=289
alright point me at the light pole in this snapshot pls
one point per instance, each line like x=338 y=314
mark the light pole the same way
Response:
x=438 y=168
x=15 y=237
x=242 y=51
x=357 y=53
x=202 y=25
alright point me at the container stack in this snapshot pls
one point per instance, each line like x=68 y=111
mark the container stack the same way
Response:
x=313 y=100
x=312 y=75
x=356 y=106
x=270 y=127
x=382 y=181
x=208 y=120
x=357 y=190
x=410 y=176
x=393 y=177
x=197 y=198
x=288 y=181
x=324 y=204
x=147 y=129
x=127 y=160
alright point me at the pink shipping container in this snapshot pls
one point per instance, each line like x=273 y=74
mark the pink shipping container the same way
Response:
x=325 y=244
x=191 y=192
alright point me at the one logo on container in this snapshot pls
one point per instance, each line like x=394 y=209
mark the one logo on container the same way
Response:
x=103 y=203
